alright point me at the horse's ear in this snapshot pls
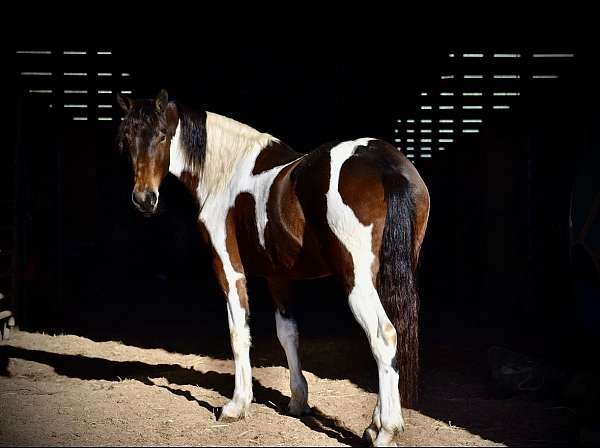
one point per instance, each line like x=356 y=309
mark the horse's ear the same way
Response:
x=172 y=116
x=124 y=102
x=161 y=101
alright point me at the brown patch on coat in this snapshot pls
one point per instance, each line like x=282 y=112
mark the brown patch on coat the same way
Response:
x=231 y=246
x=273 y=155
x=190 y=180
x=311 y=180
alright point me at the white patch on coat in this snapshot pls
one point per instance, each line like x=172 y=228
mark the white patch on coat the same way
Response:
x=364 y=300
x=176 y=155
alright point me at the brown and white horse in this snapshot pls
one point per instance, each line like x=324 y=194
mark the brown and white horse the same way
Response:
x=356 y=210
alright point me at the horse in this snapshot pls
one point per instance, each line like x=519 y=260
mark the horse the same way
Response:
x=356 y=210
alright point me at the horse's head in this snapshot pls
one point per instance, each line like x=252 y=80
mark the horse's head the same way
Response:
x=146 y=132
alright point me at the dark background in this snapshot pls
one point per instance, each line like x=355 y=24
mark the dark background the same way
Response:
x=499 y=264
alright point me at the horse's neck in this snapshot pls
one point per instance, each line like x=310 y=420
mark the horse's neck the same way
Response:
x=230 y=147
x=231 y=151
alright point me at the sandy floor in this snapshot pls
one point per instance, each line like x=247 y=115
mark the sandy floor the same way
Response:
x=69 y=390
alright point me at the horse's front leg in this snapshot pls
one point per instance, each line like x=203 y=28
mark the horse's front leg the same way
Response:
x=237 y=315
x=230 y=274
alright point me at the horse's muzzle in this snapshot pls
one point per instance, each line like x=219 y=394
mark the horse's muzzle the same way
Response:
x=145 y=201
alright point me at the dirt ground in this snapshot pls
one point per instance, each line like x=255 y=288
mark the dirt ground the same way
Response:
x=68 y=390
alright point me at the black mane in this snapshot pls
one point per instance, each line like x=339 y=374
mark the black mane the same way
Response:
x=193 y=136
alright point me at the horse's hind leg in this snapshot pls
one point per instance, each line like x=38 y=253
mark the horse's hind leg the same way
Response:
x=354 y=271
x=368 y=311
x=287 y=333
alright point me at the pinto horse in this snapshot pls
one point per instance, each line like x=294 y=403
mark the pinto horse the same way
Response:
x=356 y=210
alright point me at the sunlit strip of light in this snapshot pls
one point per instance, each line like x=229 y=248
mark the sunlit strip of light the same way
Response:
x=501 y=107
x=446 y=94
x=75 y=91
x=423 y=93
x=410 y=121
x=472 y=55
x=410 y=156
x=36 y=73
x=426 y=131
x=447 y=121
x=425 y=148
x=104 y=74
x=104 y=52
x=104 y=106
x=425 y=107
x=472 y=107
x=446 y=140
x=398 y=140
x=104 y=91
x=472 y=120
x=470 y=131
x=34 y=52
x=399 y=121
x=410 y=148
x=410 y=140
x=74 y=74
x=410 y=131
x=74 y=52
x=125 y=74
x=447 y=76
x=396 y=131
x=425 y=140
x=553 y=55
x=506 y=94
x=451 y=55
x=446 y=131
x=441 y=148
x=472 y=94
x=79 y=118
x=545 y=76
x=446 y=107
x=78 y=106
x=127 y=92
x=507 y=76
x=507 y=55
x=425 y=121
x=104 y=118
x=425 y=156
x=40 y=91
x=473 y=76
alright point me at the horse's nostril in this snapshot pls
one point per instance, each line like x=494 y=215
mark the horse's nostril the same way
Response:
x=151 y=199
x=137 y=198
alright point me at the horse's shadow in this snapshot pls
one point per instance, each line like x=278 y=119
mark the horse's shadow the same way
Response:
x=88 y=368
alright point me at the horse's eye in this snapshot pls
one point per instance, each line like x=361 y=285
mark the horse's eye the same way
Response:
x=163 y=136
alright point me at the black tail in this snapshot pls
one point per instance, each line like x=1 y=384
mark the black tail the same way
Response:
x=397 y=286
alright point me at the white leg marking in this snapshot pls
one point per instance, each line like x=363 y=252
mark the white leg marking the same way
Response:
x=287 y=332
x=239 y=332
x=364 y=300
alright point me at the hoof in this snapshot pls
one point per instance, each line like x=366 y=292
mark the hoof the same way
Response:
x=228 y=418
x=369 y=436
x=385 y=438
x=232 y=412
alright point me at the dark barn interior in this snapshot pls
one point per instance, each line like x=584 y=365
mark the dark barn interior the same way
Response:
x=507 y=141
